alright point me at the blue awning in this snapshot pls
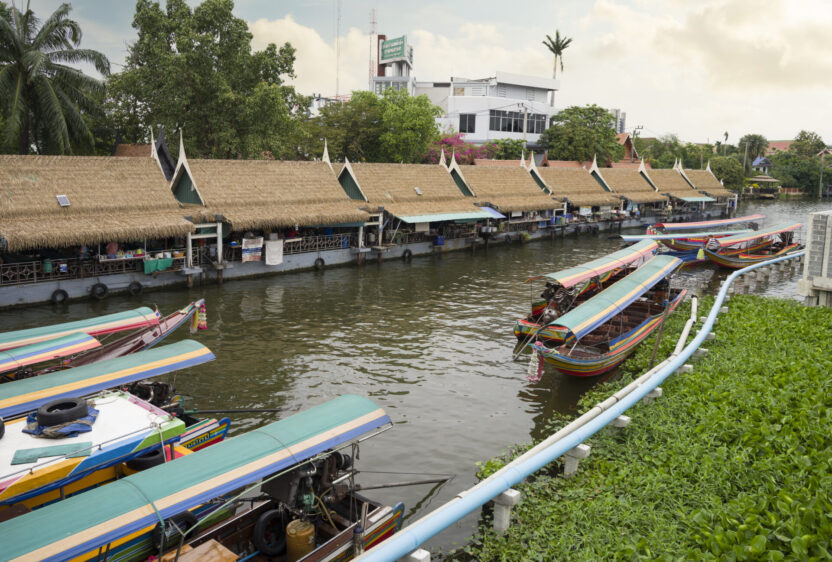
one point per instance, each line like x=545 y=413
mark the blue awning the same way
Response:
x=495 y=214
x=446 y=217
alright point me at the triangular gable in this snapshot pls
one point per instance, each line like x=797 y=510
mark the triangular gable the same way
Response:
x=349 y=182
x=183 y=185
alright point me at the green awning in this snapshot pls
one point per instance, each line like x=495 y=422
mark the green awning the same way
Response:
x=468 y=215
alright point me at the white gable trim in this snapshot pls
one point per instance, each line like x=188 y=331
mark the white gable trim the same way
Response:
x=348 y=169
x=182 y=167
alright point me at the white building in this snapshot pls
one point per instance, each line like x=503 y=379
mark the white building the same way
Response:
x=493 y=108
x=395 y=65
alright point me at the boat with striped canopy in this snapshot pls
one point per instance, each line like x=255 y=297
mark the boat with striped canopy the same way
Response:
x=295 y=462
x=569 y=287
x=600 y=334
x=79 y=349
x=742 y=250
x=18 y=359
x=26 y=395
x=99 y=326
x=675 y=235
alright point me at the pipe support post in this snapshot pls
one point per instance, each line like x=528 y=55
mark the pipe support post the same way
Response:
x=573 y=458
x=418 y=555
x=652 y=395
x=502 y=509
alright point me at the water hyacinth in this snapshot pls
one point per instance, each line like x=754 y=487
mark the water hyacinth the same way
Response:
x=732 y=463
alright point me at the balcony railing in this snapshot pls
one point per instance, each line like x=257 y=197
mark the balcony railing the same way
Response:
x=29 y=272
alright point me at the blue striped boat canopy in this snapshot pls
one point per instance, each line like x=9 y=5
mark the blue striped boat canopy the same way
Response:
x=597 y=267
x=82 y=523
x=108 y=324
x=585 y=318
x=26 y=395
x=680 y=235
x=64 y=346
x=754 y=235
x=667 y=226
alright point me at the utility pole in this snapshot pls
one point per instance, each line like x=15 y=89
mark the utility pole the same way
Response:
x=525 y=124
x=744 y=157
x=372 y=44
x=820 y=182
x=337 y=47
x=635 y=136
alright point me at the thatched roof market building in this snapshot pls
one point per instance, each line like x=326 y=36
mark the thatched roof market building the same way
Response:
x=672 y=184
x=630 y=184
x=413 y=193
x=263 y=194
x=575 y=185
x=62 y=201
x=705 y=181
x=509 y=189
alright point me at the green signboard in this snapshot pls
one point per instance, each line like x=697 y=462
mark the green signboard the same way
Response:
x=393 y=49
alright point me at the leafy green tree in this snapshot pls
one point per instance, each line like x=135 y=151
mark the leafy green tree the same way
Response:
x=580 y=133
x=408 y=125
x=807 y=143
x=508 y=149
x=352 y=129
x=795 y=170
x=194 y=69
x=557 y=46
x=42 y=99
x=752 y=146
x=696 y=156
x=729 y=170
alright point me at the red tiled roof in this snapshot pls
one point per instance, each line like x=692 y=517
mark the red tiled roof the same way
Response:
x=622 y=137
x=778 y=146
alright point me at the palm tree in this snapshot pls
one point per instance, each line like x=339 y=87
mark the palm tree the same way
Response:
x=41 y=98
x=557 y=46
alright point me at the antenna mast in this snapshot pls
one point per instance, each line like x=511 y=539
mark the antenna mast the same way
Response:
x=337 y=48
x=372 y=44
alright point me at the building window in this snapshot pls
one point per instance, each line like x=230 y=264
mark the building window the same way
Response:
x=467 y=122
x=459 y=91
x=512 y=122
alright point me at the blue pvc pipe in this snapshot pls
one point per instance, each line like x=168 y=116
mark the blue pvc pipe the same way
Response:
x=408 y=539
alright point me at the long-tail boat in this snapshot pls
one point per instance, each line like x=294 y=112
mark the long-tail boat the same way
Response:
x=205 y=501
x=99 y=326
x=79 y=348
x=115 y=426
x=569 y=287
x=600 y=334
x=742 y=250
x=676 y=235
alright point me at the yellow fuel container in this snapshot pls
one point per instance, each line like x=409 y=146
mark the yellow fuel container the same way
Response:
x=300 y=539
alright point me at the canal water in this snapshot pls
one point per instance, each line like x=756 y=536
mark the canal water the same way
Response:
x=429 y=340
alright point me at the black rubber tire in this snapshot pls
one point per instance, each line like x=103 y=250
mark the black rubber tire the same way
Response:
x=407 y=255
x=62 y=410
x=99 y=291
x=135 y=288
x=319 y=263
x=59 y=296
x=271 y=520
x=184 y=521
x=147 y=460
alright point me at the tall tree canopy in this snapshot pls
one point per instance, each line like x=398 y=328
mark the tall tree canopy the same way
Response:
x=807 y=143
x=755 y=145
x=557 y=46
x=194 y=68
x=395 y=127
x=42 y=99
x=796 y=170
x=729 y=170
x=580 y=133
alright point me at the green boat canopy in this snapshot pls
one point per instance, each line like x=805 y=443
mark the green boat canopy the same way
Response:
x=584 y=318
x=595 y=268
x=111 y=323
x=85 y=522
x=26 y=395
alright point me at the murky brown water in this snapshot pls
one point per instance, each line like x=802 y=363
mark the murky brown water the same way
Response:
x=430 y=340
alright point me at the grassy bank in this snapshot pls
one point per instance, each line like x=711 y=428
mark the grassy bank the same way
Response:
x=733 y=462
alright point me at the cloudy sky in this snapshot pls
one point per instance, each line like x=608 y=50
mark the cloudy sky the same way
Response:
x=694 y=68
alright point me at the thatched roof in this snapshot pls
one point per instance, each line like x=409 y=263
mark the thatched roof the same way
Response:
x=392 y=186
x=133 y=150
x=577 y=186
x=670 y=180
x=110 y=198
x=705 y=181
x=631 y=185
x=262 y=194
x=508 y=189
